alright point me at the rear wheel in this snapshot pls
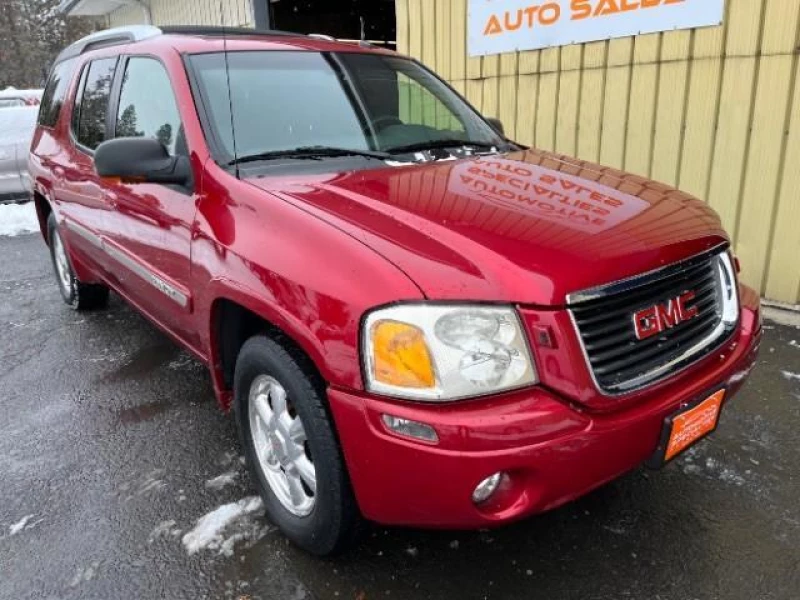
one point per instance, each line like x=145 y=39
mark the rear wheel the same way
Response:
x=80 y=296
x=291 y=449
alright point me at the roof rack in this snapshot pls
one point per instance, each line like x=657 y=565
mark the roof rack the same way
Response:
x=216 y=30
x=138 y=33
x=109 y=37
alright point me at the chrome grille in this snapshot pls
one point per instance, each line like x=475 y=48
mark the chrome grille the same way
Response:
x=604 y=318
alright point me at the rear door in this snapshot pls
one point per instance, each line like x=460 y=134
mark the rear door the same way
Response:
x=76 y=183
x=149 y=228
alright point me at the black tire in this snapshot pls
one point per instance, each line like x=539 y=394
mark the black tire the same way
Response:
x=334 y=522
x=79 y=296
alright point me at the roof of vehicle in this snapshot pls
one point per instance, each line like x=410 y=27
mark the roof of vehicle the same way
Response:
x=211 y=39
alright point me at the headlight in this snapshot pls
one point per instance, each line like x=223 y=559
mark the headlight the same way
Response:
x=729 y=290
x=445 y=352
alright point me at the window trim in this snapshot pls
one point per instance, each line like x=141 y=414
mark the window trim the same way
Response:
x=76 y=105
x=210 y=134
x=117 y=92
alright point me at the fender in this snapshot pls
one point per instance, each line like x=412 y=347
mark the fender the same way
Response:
x=222 y=288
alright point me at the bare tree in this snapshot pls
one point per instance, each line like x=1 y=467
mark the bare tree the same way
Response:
x=32 y=33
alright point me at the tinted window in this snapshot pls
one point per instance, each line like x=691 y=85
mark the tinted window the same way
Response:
x=93 y=108
x=147 y=106
x=55 y=93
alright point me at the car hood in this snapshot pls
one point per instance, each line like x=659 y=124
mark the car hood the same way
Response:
x=527 y=227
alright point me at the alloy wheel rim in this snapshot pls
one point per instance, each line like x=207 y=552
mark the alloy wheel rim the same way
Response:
x=281 y=446
x=62 y=264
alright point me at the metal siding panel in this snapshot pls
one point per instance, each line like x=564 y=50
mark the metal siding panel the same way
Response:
x=401 y=14
x=458 y=39
x=429 y=33
x=547 y=109
x=672 y=83
x=592 y=96
x=733 y=120
x=759 y=195
x=615 y=102
x=569 y=97
x=415 y=29
x=527 y=91
x=783 y=272
x=702 y=109
x=642 y=106
x=443 y=28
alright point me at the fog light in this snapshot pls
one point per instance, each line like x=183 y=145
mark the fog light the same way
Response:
x=487 y=487
x=412 y=429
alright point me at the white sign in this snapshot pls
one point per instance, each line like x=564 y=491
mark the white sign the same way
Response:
x=497 y=26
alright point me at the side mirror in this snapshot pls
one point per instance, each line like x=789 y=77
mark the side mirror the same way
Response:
x=497 y=125
x=141 y=160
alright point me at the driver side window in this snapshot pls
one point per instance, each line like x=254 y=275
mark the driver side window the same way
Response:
x=147 y=106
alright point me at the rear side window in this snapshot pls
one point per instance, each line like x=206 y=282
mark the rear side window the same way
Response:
x=55 y=93
x=91 y=110
x=147 y=106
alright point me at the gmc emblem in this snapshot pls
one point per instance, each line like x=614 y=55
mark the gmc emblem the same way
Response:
x=656 y=319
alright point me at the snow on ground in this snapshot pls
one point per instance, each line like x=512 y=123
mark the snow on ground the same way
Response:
x=16 y=219
x=19 y=525
x=164 y=529
x=209 y=529
x=791 y=376
x=221 y=481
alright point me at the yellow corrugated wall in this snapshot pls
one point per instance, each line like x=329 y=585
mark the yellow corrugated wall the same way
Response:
x=236 y=13
x=713 y=111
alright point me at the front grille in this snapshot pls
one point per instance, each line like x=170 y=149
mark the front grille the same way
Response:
x=604 y=317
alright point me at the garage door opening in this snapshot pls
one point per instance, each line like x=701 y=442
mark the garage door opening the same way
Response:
x=342 y=19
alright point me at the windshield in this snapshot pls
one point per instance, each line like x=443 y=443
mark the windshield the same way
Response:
x=285 y=100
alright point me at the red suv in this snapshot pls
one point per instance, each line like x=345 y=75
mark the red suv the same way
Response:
x=415 y=320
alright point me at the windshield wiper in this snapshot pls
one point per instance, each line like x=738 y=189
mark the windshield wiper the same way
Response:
x=310 y=153
x=433 y=144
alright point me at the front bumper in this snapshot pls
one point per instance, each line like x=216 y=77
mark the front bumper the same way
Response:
x=552 y=450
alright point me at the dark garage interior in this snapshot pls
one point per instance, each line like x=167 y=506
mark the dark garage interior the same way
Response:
x=341 y=19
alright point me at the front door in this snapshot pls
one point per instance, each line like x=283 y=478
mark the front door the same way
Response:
x=149 y=226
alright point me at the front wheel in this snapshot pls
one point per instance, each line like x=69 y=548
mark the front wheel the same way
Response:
x=80 y=296
x=291 y=449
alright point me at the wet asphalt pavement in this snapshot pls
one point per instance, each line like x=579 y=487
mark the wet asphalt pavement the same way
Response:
x=111 y=448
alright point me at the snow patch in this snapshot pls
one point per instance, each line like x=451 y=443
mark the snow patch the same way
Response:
x=740 y=376
x=185 y=362
x=165 y=529
x=19 y=525
x=791 y=376
x=86 y=574
x=221 y=481
x=16 y=219
x=208 y=530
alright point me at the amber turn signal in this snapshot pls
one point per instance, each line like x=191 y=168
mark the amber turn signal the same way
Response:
x=401 y=356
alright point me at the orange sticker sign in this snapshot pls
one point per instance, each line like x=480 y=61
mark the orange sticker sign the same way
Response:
x=510 y=25
x=690 y=426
